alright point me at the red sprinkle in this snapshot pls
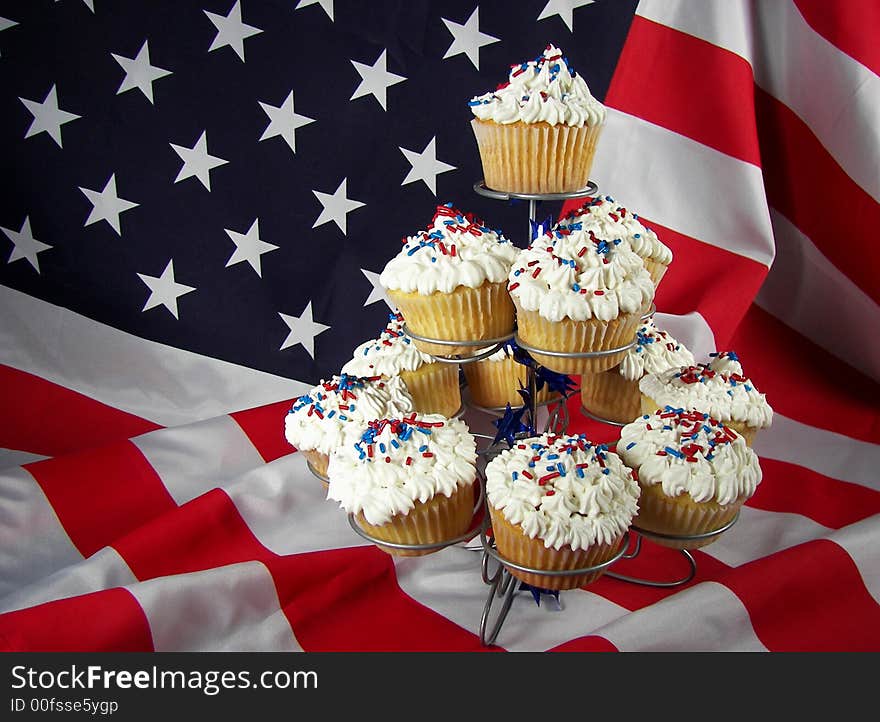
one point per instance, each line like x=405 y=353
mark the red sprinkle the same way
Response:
x=513 y=286
x=527 y=475
x=536 y=272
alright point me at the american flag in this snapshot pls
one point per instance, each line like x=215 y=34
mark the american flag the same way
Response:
x=198 y=199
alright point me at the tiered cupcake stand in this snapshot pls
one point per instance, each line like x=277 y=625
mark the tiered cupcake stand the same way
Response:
x=501 y=582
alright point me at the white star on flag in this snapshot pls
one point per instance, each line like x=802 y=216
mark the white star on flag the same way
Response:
x=197 y=161
x=249 y=247
x=90 y=4
x=425 y=166
x=378 y=293
x=467 y=38
x=48 y=117
x=284 y=121
x=303 y=330
x=164 y=290
x=564 y=9
x=24 y=245
x=375 y=79
x=326 y=5
x=107 y=205
x=231 y=30
x=139 y=73
x=6 y=23
x=337 y=206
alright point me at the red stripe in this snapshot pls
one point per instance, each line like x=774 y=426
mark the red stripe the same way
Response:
x=105 y=621
x=844 y=25
x=315 y=590
x=803 y=381
x=808 y=598
x=327 y=616
x=57 y=420
x=264 y=426
x=807 y=186
x=687 y=85
x=101 y=494
x=797 y=490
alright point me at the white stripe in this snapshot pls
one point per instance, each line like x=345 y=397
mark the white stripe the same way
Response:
x=684 y=185
x=859 y=540
x=287 y=510
x=837 y=97
x=166 y=385
x=759 y=534
x=33 y=544
x=12 y=457
x=806 y=291
x=198 y=457
x=825 y=452
x=103 y=570
x=692 y=330
x=449 y=582
x=227 y=609
x=707 y=617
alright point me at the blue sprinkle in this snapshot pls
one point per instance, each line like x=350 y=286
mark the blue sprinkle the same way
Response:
x=395 y=444
x=672 y=452
x=606 y=471
x=423 y=448
x=580 y=472
x=552 y=457
x=423 y=430
x=630 y=445
x=560 y=468
x=343 y=418
x=331 y=414
x=515 y=475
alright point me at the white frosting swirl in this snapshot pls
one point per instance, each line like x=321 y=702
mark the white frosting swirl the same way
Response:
x=456 y=250
x=398 y=462
x=570 y=272
x=563 y=490
x=655 y=351
x=546 y=89
x=690 y=452
x=609 y=219
x=336 y=409
x=389 y=354
x=718 y=388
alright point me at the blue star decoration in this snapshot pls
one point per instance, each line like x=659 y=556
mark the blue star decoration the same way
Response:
x=537 y=593
x=539 y=228
x=510 y=425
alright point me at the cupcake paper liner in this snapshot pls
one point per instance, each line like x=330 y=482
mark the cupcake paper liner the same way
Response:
x=681 y=515
x=611 y=396
x=434 y=388
x=577 y=337
x=656 y=270
x=535 y=157
x=319 y=462
x=436 y=520
x=649 y=406
x=494 y=384
x=513 y=544
x=465 y=314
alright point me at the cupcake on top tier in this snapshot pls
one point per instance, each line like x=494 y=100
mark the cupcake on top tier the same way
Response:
x=432 y=384
x=334 y=410
x=577 y=292
x=609 y=219
x=614 y=394
x=449 y=282
x=537 y=132
x=695 y=473
x=408 y=480
x=718 y=388
x=559 y=502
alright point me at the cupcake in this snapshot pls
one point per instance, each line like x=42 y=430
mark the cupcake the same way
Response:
x=614 y=394
x=433 y=384
x=609 y=219
x=495 y=381
x=537 y=132
x=321 y=420
x=576 y=292
x=408 y=480
x=719 y=388
x=695 y=473
x=449 y=282
x=559 y=503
